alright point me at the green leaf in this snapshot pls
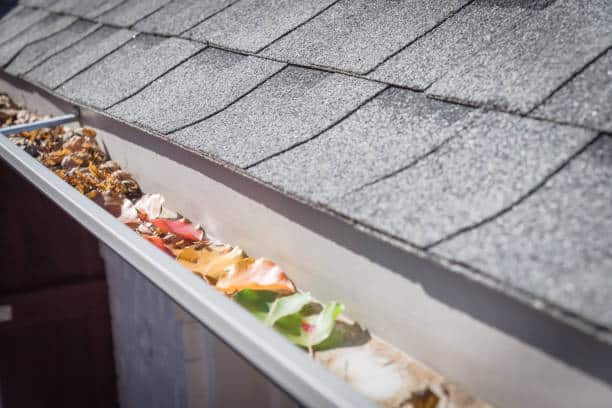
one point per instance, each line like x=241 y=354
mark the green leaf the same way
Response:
x=344 y=335
x=311 y=330
x=287 y=305
x=324 y=322
x=296 y=317
x=257 y=302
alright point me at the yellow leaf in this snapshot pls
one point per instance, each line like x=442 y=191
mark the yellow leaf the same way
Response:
x=188 y=254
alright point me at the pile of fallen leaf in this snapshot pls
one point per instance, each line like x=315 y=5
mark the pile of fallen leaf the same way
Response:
x=259 y=285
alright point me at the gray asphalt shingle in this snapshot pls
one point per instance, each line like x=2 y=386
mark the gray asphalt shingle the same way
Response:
x=130 y=11
x=18 y=20
x=180 y=15
x=37 y=52
x=587 y=99
x=489 y=166
x=125 y=71
x=250 y=25
x=197 y=88
x=38 y=3
x=557 y=243
x=387 y=133
x=291 y=107
x=84 y=8
x=66 y=64
x=42 y=29
x=357 y=35
x=521 y=68
x=452 y=43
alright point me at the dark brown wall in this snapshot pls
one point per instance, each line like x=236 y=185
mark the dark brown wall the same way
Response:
x=39 y=244
x=57 y=348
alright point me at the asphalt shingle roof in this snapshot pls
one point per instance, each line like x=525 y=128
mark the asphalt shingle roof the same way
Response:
x=487 y=167
x=527 y=62
x=586 y=99
x=129 y=12
x=557 y=243
x=18 y=20
x=197 y=88
x=451 y=45
x=38 y=31
x=127 y=70
x=66 y=64
x=37 y=52
x=386 y=134
x=84 y=8
x=180 y=15
x=364 y=32
x=252 y=24
x=511 y=196
x=291 y=107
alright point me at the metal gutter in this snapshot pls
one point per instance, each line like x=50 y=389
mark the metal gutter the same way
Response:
x=558 y=334
x=281 y=361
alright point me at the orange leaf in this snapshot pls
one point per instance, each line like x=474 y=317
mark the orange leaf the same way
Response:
x=260 y=274
x=157 y=241
x=181 y=228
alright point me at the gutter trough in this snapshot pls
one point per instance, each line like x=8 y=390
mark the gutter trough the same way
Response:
x=493 y=341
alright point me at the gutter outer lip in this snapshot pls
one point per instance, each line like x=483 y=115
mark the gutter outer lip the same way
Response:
x=556 y=332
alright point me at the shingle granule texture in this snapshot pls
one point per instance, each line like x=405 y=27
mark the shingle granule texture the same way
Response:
x=37 y=52
x=125 y=71
x=18 y=20
x=180 y=15
x=587 y=99
x=519 y=69
x=487 y=168
x=130 y=12
x=451 y=44
x=250 y=25
x=389 y=132
x=557 y=243
x=84 y=8
x=197 y=88
x=42 y=29
x=66 y=64
x=359 y=34
x=291 y=107
x=38 y=3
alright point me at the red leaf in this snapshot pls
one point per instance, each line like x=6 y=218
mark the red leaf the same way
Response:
x=157 y=241
x=181 y=228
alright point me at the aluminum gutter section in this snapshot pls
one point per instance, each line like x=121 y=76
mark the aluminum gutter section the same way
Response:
x=281 y=361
